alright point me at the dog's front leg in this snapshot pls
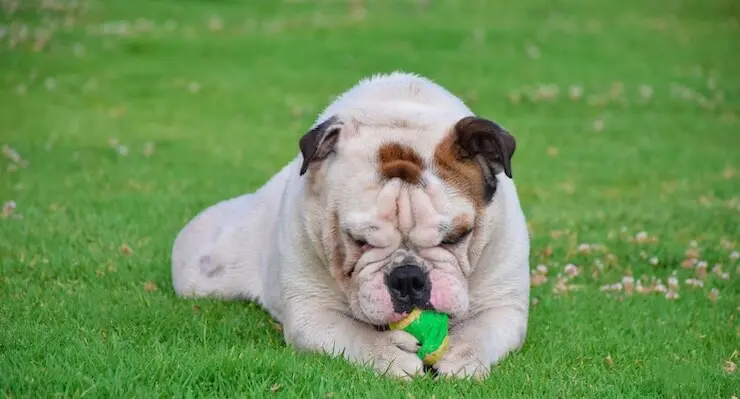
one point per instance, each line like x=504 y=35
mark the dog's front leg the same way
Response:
x=482 y=341
x=312 y=327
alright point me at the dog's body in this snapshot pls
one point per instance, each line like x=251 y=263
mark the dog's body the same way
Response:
x=400 y=198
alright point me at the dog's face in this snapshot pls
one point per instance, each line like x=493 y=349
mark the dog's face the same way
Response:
x=402 y=209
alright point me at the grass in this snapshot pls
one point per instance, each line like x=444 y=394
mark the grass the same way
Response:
x=135 y=115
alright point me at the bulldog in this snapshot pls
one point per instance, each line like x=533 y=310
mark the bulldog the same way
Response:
x=400 y=197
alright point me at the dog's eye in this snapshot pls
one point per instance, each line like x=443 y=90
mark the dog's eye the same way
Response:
x=456 y=238
x=360 y=242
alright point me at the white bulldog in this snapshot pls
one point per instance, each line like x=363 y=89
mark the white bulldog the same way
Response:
x=400 y=197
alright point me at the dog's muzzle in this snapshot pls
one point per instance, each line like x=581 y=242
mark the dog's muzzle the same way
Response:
x=409 y=287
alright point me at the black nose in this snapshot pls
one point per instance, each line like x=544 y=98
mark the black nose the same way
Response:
x=409 y=287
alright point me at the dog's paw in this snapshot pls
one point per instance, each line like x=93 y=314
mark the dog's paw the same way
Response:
x=395 y=355
x=463 y=361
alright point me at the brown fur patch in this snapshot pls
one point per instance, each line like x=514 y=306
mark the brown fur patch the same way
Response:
x=398 y=160
x=463 y=174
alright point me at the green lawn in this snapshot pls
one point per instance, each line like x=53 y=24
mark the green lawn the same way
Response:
x=135 y=115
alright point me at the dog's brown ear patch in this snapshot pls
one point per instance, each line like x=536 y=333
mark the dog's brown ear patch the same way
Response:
x=401 y=161
x=486 y=140
x=471 y=156
x=319 y=142
x=462 y=174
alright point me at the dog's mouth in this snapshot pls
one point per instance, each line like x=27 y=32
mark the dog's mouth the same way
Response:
x=398 y=316
x=403 y=309
x=373 y=325
x=394 y=318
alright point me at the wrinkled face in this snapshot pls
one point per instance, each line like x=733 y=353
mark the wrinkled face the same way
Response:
x=404 y=221
x=406 y=247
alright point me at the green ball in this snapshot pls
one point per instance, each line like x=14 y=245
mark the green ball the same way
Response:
x=431 y=329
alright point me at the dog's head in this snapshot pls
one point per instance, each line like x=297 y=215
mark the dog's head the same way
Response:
x=400 y=177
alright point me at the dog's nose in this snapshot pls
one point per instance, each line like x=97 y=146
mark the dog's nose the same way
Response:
x=409 y=286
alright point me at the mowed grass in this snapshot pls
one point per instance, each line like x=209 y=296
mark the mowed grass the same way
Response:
x=132 y=116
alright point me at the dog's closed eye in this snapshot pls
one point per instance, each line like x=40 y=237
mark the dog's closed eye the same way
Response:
x=456 y=237
x=360 y=242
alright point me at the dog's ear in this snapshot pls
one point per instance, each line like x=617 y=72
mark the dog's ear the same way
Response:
x=319 y=142
x=489 y=145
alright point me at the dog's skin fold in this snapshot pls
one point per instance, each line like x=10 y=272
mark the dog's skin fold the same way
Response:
x=397 y=174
